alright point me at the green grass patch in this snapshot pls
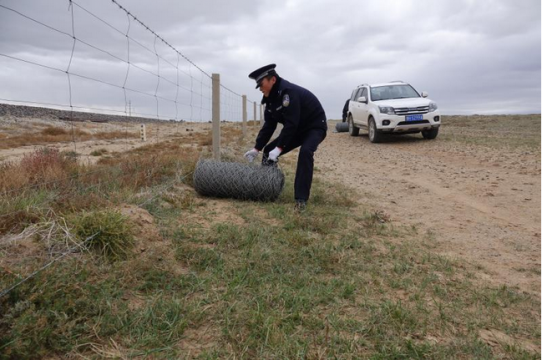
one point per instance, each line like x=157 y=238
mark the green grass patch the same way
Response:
x=107 y=232
x=515 y=132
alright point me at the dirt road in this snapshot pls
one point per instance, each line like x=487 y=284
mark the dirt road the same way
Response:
x=482 y=204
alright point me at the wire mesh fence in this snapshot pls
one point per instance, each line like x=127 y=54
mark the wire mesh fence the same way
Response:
x=108 y=50
x=88 y=49
x=99 y=48
x=75 y=51
x=92 y=73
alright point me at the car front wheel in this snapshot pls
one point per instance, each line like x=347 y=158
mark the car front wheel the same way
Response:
x=430 y=134
x=352 y=129
x=374 y=135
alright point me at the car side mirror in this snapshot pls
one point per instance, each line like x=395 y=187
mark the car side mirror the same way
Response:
x=362 y=99
x=425 y=94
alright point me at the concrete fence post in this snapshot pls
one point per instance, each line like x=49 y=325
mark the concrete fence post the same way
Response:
x=143 y=133
x=261 y=114
x=216 y=116
x=254 y=113
x=244 y=116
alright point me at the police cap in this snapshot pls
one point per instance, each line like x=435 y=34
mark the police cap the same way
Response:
x=262 y=72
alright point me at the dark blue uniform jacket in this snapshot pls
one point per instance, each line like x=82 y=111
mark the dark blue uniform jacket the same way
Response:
x=294 y=107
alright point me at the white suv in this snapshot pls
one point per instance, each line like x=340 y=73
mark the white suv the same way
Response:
x=392 y=108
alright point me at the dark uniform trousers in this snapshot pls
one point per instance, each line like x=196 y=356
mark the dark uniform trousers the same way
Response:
x=309 y=142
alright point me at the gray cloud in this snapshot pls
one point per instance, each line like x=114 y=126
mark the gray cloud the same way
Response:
x=472 y=57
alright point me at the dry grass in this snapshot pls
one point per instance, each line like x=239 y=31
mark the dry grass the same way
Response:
x=49 y=180
x=57 y=135
x=203 y=139
x=99 y=152
x=231 y=134
x=108 y=135
x=495 y=131
x=43 y=166
x=17 y=221
x=54 y=131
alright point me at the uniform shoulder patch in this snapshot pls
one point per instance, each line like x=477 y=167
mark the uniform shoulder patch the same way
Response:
x=286 y=100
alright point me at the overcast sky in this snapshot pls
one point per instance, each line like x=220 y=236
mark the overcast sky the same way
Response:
x=471 y=56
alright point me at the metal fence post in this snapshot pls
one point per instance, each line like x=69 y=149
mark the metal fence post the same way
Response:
x=244 y=116
x=216 y=116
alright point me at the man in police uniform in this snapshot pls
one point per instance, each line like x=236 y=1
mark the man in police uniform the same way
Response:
x=345 y=109
x=304 y=123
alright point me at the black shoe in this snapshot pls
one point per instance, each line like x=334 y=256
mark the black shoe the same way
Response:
x=300 y=206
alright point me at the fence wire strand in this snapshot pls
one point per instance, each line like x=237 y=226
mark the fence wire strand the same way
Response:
x=36 y=272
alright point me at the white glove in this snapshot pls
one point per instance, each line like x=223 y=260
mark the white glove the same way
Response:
x=252 y=154
x=274 y=154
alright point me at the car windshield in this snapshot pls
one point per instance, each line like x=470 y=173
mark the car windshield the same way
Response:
x=393 y=92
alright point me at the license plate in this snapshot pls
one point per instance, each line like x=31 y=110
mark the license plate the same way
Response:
x=414 y=117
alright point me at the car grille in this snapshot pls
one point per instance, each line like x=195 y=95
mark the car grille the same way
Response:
x=413 y=122
x=412 y=110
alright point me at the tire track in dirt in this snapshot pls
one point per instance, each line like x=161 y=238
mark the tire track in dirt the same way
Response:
x=482 y=205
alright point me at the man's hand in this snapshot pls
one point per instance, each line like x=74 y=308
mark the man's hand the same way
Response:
x=252 y=154
x=274 y=154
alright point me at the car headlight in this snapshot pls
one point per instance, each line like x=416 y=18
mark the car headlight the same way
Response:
x=387 y=110
x=432 y=106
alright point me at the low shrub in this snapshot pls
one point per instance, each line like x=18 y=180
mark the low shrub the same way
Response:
x=43 y=166
x=47 y=164
x=98 y=152
x=107 y=232
x=53 y=131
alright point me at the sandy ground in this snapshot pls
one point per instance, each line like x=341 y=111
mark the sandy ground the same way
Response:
x=482 y=206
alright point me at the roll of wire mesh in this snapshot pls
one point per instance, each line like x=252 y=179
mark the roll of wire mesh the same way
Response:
x=236 y=180
x=341 y=127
